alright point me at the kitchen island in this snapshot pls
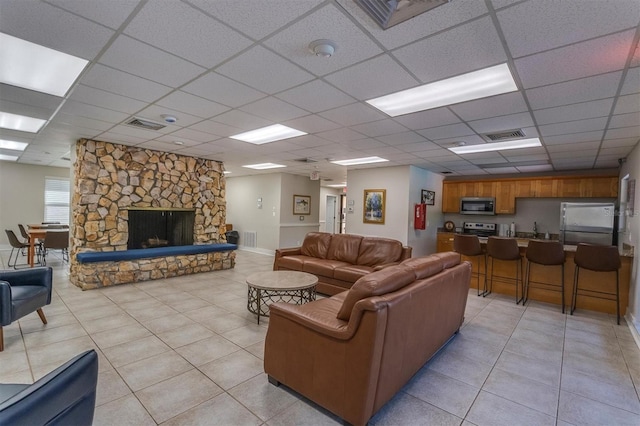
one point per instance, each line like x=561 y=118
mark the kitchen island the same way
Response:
x=542 y=276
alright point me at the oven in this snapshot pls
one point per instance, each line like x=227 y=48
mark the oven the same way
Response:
x=479 y=229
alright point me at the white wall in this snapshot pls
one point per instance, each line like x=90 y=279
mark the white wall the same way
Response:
x=292 y=229
x=323 y=208
x=22 y=195
x=424 y=241
x=242 y=195
x=631 y=236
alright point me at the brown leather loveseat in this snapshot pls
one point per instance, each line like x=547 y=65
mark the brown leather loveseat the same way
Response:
x=339 y=260
x=352 y=352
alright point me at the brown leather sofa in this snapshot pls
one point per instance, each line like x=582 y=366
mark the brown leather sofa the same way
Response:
x=352 y=352
x=339 y=260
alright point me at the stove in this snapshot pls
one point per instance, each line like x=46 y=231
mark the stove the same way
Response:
x=479 y=229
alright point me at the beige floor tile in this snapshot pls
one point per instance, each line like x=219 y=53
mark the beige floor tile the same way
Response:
x=178 y=394
x=223 y=323
x=108 y=323
x=541 y=371
x=452 y=364
x=610 y=372
x=206 y=312
x=60 y=352
x=186 y=303
x=152 y=370
x=219 y=411
x=578 y=410
x=232 y=369
x=207 y=350
x=185 y=335
x=621 y=395
x=151 y=313
x=58 y=334
x=404 y=409
x=524 y=391
x=603 y=353
x=442 y=391
x=35 y=324
x=168 y=322
x=531 y=349
x=110 y=387
x=136 y=350
x=489 y=409
x=96 y=313
x=305 y=412
x=20 y=377
x=126 y=411
x=262 y=398
x=256 y=349
x=116 y=336
x=474 y=349
x=247 y=335
x=11 y=362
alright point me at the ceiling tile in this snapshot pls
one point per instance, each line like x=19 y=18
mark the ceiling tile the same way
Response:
x=571 y=92
x=625 y=120
x=316 y=96
x=214 y=128
x=628 y=103
x=90 y=111
x=28 y=97
x=426 y=119
x=380 y=128
x=611 y=143
x=257 y=18
x=615 y=151
x=274 y=109
x=573 y=147
x=579 y=111
x=241 y=120
x=417 y=146
x=437 y=19
x=171 y=139
x=124 y=84
x=194 y=135
x=350 y=115
x=584 y=59
x=501 y=170
x=537 y=168
x=574 y=138
x=260 y=68
x=31 y=21
x=186 y=32
x=469 y=140
x=341 y=135
x=506 y=122
x=490 y=107
x=361 y=83
x=311 y=141
x=580 y=126
x=631 y=82
x=623 y=132
x=534 y=26
x=312 y=124
x=110 y=13
x=132 y=56
x=482 y=48
x=27 y=110
x=447 y=132
x=326 y=23
x=122 y=138
x=100 y=98
x=221 y=89
x=87 y=123
x=195 y=105
x=402 y=138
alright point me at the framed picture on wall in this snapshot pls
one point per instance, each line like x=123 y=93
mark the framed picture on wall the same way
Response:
x=301 y=204
x=428 y=197
x=373 y=208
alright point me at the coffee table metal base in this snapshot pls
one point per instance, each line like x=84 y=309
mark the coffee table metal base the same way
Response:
x=258 y=300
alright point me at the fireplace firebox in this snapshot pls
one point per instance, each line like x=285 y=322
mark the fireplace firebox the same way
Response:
x=150 y=228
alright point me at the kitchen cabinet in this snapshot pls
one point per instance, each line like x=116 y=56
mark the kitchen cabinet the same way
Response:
x=450 y=197
x=505 y=197
x=444 y=241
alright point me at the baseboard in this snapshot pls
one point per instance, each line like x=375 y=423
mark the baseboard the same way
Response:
x=634 y=327
x=257 y=250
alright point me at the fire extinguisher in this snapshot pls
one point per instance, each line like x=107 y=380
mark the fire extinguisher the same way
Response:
x=420 y=216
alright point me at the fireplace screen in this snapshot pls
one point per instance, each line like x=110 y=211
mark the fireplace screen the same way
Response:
x=159 y=228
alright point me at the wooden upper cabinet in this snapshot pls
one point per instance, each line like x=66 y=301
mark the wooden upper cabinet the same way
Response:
x=571 y=187
x=505 y=197
x=606 y=187
x=545 y=188
x=450 y=197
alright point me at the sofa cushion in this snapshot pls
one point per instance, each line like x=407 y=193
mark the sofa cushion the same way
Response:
x=294 y=263
x=351 y=273
x=375 y=284
x=316 y=244
x=425 y=267
x=375 y=251
x=344 y=247
x=322 y=267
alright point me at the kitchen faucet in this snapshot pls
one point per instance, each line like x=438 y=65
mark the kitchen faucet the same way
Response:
x=535 y=229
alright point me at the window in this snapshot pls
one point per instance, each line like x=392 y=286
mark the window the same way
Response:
x=56 y=200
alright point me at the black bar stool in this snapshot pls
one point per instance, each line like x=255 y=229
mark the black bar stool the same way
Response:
x=547 y=253
x=597 y=258
x=469 y=245
x=505 y=249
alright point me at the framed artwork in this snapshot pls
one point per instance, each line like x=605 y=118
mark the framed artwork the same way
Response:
x=374 y=203
x=428 y=197
x=301 y=204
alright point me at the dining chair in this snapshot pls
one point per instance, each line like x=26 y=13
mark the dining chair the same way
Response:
x=16 y=246
x=56 y=240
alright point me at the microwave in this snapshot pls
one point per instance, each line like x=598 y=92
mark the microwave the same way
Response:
x=478 y=205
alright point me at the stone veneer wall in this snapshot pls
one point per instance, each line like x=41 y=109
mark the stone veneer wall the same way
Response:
x=111 y=178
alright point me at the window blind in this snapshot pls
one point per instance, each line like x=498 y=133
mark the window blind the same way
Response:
x=56 y=200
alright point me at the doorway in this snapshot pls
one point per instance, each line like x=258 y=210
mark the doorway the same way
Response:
x=330 y=221
x=343 y=212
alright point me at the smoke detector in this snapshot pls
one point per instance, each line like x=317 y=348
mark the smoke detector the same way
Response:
x=169 y=118
x=323 y=48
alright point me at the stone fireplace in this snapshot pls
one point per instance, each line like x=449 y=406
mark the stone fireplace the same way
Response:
x=111 y=181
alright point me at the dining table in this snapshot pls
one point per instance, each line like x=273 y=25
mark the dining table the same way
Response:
x=39 y=231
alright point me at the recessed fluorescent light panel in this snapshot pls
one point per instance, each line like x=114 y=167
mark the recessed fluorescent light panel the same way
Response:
x=276 y=132
x=34 y=67
x=466 y=87
x=356 y=161
x=20 y=122
x=338 y=185
x=8 y=157
x=496 y=146
x=13 y=145
x=263 y=166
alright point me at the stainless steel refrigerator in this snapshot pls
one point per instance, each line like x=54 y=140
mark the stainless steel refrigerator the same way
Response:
x=587 y=223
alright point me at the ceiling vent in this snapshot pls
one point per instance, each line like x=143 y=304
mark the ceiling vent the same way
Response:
x=144 y=124
x=306 y=160
x=507 y=134
x=388 y=13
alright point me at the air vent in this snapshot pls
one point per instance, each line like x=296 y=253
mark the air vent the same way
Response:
x=144 y=124
x=66 y=156
x=508 y=134
x=388 y=13
x=306 y=160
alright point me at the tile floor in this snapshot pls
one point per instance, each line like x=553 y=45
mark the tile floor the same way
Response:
x=186 y=351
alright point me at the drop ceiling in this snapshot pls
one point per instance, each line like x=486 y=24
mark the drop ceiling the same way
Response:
x=225 y=67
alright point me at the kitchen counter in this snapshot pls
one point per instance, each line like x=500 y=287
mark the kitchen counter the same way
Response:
x=569 y=248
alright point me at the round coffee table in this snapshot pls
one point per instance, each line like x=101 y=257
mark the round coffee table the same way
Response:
x=279 y=286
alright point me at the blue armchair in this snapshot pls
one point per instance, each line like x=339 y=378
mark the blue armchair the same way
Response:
x=23 y=292
x=66 y=396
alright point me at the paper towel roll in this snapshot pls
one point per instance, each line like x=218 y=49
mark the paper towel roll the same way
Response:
x=512 y=229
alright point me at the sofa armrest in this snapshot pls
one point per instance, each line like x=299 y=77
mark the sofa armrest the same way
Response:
x=5 y=303
x=293 y=251
x=406 y=253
